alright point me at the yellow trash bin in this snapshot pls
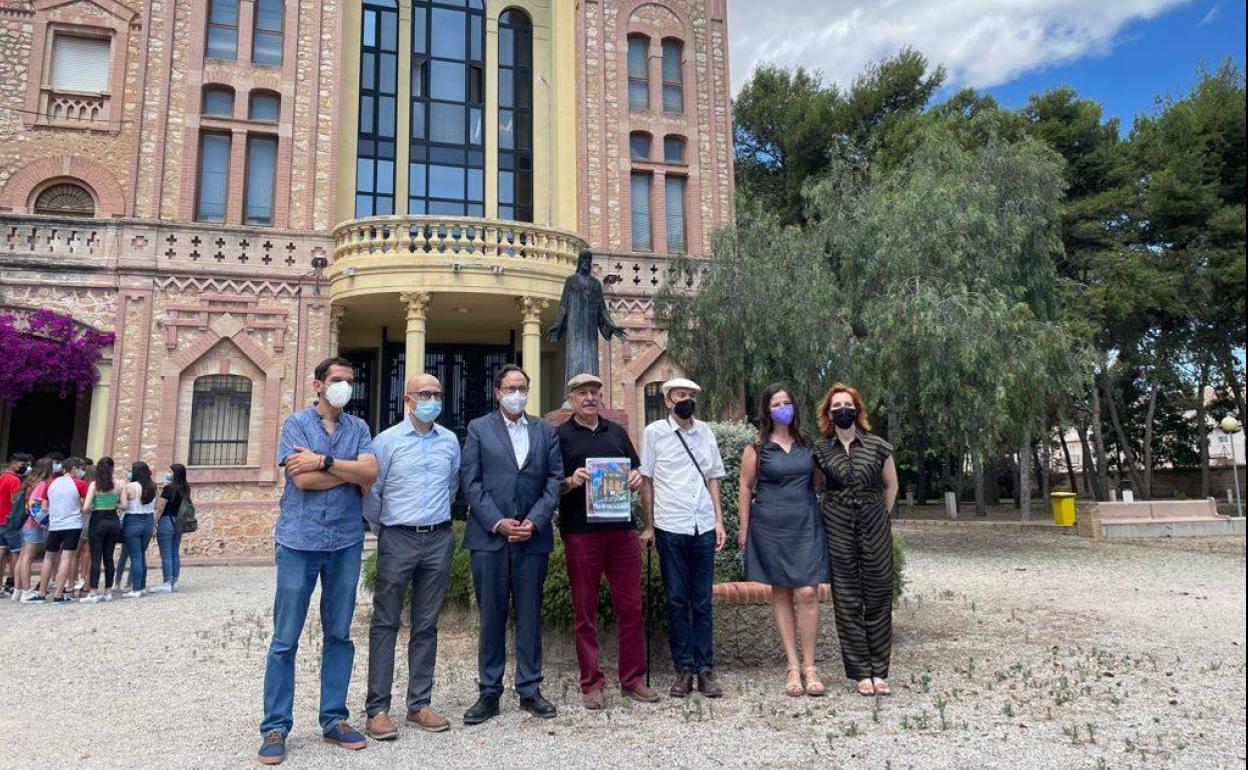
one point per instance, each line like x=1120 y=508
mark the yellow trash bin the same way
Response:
x=1063 y=508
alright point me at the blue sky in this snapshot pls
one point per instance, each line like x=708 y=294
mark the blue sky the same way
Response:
x=1148 y=58
x=1122 y=53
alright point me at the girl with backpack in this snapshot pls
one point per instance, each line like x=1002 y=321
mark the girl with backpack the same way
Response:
x=175 y=498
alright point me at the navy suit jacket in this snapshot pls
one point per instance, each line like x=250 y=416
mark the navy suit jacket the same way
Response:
x=496 y=489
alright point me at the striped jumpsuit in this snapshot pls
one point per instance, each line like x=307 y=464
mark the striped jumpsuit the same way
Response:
x=860 y=550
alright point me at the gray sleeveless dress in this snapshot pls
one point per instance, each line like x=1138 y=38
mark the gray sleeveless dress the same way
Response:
x=784 y=543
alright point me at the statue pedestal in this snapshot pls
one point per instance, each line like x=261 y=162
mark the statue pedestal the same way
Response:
x=560 y=416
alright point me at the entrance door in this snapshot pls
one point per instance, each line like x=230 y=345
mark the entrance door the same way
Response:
x=467 y=376
x=43 y=422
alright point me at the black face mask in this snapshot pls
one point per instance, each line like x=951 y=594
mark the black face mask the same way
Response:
x=685 y=409
x=844 y=417
x=22 y=470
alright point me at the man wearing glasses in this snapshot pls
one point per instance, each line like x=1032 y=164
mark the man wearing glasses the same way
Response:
x=409 y=509
x=511 y=474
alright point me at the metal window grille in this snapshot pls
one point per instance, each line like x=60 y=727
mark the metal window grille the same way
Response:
x=654 y=402
x=220 y=416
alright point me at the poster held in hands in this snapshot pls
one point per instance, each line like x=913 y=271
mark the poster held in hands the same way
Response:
x=607 y=496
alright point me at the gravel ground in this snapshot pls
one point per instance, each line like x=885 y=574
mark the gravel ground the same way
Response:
x=1014 y=650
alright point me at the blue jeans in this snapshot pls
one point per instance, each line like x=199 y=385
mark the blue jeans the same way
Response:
x=687 y=565
x=136 y=533
x=169 y=538
x=297 y=573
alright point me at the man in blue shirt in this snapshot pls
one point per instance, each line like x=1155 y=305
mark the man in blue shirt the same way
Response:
x=329 y=462
x=410 y=510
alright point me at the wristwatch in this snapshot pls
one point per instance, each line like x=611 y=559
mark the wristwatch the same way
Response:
x=327 y=462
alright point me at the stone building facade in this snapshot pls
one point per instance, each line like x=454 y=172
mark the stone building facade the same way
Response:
x=238 y=188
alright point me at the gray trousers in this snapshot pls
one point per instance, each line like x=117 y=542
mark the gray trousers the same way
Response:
x=423 y=561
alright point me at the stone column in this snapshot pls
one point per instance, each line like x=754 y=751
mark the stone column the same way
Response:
x=336 y=315
x=101 y=401
x=417 y=303
x=531 y=346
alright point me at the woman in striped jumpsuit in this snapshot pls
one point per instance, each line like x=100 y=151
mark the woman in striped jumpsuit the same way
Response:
x=859 y=489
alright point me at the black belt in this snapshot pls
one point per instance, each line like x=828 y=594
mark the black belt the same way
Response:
x=421 y=527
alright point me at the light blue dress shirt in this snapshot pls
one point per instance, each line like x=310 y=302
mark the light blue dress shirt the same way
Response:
x=417 y=476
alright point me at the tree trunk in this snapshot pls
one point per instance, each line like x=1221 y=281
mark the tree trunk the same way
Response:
x=1070 y=466
x=1153 y=387
x=981 y=501
x=1023 y=494
x=1101 y=466
x=992 y=487
x=920 y=452
x=1128 y=453
x=1042 y=456
x=1202 y=430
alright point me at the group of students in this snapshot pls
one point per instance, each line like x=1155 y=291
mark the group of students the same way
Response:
x=811 y=508
x=74 y=512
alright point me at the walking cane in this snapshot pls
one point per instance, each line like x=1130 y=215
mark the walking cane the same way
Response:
x=645 y=610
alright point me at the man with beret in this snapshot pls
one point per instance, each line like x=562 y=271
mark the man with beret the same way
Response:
x=595 y=548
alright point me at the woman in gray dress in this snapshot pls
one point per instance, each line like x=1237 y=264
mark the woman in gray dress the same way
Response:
x=781 y=534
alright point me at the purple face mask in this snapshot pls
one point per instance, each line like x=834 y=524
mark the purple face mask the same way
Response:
x=782 y=414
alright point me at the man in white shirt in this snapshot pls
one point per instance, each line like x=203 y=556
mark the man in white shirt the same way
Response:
x=681 y=468
x=64 y=530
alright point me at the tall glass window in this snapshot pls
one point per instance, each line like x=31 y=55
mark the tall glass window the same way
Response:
x=266 y=42
x=379 y=77
x=258 y=192
x=638 y=72
x=446 y=172
x=515 y=116
x=639 y=209
x=673 y=79
x=222 y=40
x=674 y=213
x=214 y=174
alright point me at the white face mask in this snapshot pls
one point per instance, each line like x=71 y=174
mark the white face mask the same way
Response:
x=514 y=403
x=338 y=394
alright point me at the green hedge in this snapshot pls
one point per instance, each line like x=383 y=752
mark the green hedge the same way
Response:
x=557 y=601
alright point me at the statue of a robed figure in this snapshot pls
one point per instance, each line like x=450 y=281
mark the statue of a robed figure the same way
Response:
x=582 y=316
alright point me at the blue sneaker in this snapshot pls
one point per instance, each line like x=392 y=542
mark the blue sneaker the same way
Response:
x=273 y=750
x=344 y=735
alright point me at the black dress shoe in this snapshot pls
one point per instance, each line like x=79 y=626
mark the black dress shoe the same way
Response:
x=485 y=708
x=538 y=706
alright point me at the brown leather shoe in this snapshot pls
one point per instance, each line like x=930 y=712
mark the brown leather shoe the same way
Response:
x=595 y=699
x=429 y=720
x=683 y=684
x=641 y=693
x=708 y=684
x=381 y=727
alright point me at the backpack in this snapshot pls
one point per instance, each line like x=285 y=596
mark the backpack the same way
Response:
x=17 y=514
x=186 y=517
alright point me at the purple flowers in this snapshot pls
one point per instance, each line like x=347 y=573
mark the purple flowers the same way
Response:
x=47 y=348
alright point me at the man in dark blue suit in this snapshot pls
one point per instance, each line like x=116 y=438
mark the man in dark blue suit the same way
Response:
x=510 y=476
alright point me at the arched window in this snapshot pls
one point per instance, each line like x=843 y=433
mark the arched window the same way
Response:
x=639 y=146
x=673 y=79
x=654 y=402
x=218 y=101
x=446 y=166
x=65 y=199
x=673 y=149
x=379 y=78
x=638 y=72
x=264 y=105
x=515 y=116
x=220 y=419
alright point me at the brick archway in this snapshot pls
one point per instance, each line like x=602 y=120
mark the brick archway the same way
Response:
x=18 y=194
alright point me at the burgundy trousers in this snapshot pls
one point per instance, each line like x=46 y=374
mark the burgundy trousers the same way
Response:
x=617 y=553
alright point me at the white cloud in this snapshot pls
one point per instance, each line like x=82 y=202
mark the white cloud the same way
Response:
x=981 y=43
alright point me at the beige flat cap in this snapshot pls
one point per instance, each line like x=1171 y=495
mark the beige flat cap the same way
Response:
x=680 y=382
x=583 y=379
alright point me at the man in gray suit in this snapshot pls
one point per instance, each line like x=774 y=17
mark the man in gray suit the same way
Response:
x=510 y=476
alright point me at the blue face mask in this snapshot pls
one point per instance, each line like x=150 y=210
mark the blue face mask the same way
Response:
x=56 y=467
x=168 y=477
x=427 y=411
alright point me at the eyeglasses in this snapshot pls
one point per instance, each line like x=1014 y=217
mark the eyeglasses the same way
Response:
x=516 y=389
x=426 y=395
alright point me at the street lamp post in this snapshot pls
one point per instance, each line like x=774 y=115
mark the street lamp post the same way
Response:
x=1230 y=426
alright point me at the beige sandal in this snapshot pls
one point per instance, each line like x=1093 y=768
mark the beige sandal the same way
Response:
x=881 y=686
x=814 y=686
x=793 y=685
x=866 y=688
